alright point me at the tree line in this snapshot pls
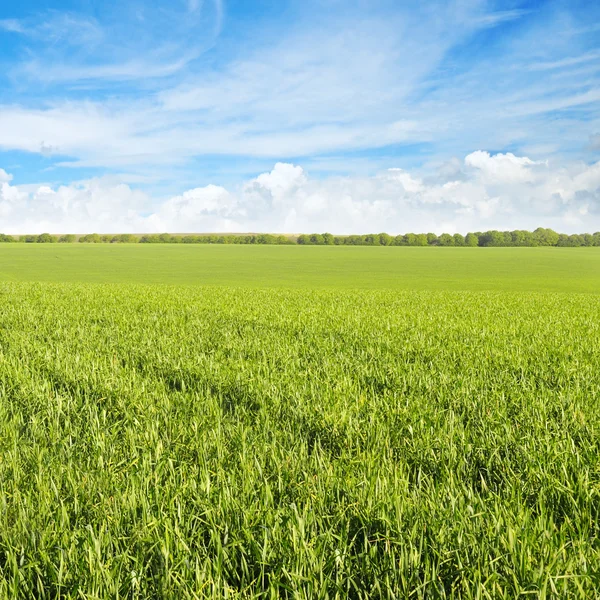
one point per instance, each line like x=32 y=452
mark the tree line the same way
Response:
x=540 y=237
x=519 y=237
x=163 y=238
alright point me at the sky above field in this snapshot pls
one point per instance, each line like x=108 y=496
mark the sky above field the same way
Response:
x=299 y=115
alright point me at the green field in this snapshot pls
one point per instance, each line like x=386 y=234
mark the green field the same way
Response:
x=299 y=422
x=477 y=269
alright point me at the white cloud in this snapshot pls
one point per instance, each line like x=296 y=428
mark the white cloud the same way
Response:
x=94 y=205
x=501 y=168
x=483 y=191
x=275 y=188
x=408 y=182
x=210 y=208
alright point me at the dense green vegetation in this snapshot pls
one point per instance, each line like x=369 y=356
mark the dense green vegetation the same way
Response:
x=518 y=238
x=331 y=267
x=189 y=442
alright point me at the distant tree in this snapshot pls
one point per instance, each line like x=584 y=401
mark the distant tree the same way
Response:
x=459 y=239
x=266 y=238
x=518 y=237
x=471 y=240
x=385 y=239
x=410 y=239
x=588 y=239
x=372 y=240
x=128 y=238
x=68 y=238
x=432 y=239
x=528 y=239
x=90 y=238
x=328 y=239
x=596 y=237
x=46 y=238
x=150 y=239
x=6 y=238
x=355 y=240
x=491 y=238
x=446 y=240
x=421 y=239
x=577 y=240
x=400 y=240
x=546 y=237
x=570 y=241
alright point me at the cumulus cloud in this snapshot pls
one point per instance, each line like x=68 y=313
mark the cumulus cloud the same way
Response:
x=94 y=205
x=501 y=168
x=210 y=208
x=483 y=191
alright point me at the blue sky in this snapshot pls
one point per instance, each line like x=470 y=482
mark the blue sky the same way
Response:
x=166 y=97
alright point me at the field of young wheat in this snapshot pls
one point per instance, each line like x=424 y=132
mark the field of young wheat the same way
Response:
x=181 y=442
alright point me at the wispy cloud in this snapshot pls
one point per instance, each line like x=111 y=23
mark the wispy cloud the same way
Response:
x=567 y=62
x=492 y=19
x=56 y=29
x=173 y=90
x=69 y=47
x=11 y=25
x=122 y=71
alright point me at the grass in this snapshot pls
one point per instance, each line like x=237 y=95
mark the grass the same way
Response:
x=295 y=437
x=476 y=269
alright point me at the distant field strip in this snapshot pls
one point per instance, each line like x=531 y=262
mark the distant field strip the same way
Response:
x=394 y=268
x=188 y=442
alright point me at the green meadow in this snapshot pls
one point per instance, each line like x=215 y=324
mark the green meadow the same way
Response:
x=195 y=422
x=333 y=267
